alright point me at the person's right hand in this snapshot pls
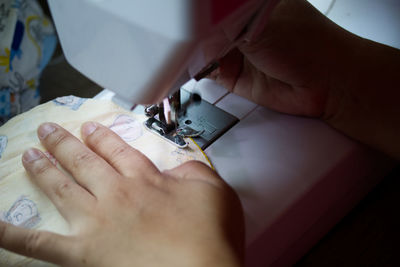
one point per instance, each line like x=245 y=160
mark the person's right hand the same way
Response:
x=304 y=64
x=289 y=67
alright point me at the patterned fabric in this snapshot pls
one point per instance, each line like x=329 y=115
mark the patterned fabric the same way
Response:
x=3 y=144
x=70 y=101
x=27 y=42
x=23 y=213
x=24 y=204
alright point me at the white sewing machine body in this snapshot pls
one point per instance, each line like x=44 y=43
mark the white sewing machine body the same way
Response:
x=145 y=50
x=296 y=177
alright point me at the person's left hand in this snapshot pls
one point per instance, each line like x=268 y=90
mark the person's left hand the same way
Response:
x=123 y=211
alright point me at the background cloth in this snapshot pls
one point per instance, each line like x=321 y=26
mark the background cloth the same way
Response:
x=27 y=43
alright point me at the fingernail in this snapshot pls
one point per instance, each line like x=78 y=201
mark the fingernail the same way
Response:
x=31 y=155
x=45 y=129
x=88 y=128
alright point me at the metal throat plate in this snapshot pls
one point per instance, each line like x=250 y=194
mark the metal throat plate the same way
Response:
x=204 y=116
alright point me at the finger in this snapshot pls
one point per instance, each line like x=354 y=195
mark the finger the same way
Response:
x=41 y=245
x=238 y=74
x=276 y=94
x=196 y=170
x=230 y=68
x=265 y=90
x=124 y=158
x=88 y=169
x=66 y=195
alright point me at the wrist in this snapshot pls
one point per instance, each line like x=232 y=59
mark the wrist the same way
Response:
x=363 y=102
x=342 y=75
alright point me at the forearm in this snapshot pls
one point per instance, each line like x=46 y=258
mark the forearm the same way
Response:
x=365 y=103
x=355 y=81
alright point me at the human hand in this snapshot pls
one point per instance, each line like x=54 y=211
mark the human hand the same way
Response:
x=122 y=211
x=294 y=64
x=304 y=64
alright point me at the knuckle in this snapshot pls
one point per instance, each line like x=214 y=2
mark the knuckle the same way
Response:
x=82 y=159
x=194 y=164
x=97 y=137
x=121 y=194
x=57 y=138
x=33 y=241
x=62 y=189
x=197 y=170
x=123 y=197
x=41 y=167
x=120 y=152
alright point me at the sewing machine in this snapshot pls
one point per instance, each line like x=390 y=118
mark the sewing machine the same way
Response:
x=146 y=51
x=296 y=177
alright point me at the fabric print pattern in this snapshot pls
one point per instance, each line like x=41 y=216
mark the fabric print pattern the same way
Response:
x=27 y=42
x=127 y=128
x=16 y=43
x=3 y=144
x=5 y=60
x=23 y=213
x=5 y=104
x=4 y=14
x=41 y=34
x=70 y=101
x=182 y=155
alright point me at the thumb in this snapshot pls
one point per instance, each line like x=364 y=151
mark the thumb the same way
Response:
x=229 y=70
x=41 y=245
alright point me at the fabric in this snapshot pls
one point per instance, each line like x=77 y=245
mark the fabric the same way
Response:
x=27 y=43
x=22 y=203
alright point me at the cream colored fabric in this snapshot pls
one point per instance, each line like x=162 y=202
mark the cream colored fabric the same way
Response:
x=22 y=203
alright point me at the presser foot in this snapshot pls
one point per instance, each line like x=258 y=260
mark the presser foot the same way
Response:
x=170 y=135
x=186 y=131
x=203 y=122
